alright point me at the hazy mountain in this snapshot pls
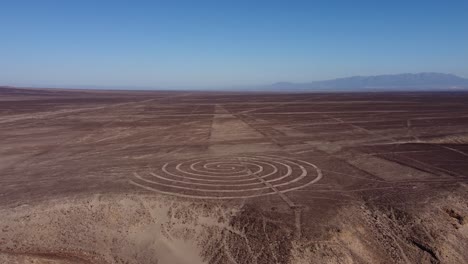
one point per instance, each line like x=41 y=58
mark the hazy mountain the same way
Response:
x=406 y=81
x=427 y=81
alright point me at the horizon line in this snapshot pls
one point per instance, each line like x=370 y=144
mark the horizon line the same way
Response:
x=201 y=87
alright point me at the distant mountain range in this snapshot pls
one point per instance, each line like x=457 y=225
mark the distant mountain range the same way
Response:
x=426 y=81
x=395 y=82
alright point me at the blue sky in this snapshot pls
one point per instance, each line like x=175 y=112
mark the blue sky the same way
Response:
x=226 y=43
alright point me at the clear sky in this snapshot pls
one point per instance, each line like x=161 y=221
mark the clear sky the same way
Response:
x=224 y=43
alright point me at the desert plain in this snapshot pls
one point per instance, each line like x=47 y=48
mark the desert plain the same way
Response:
x=233 y=177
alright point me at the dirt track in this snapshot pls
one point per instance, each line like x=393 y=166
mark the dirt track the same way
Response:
x=232 y=177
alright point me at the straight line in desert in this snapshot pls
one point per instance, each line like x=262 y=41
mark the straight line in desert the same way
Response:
x=227 y=127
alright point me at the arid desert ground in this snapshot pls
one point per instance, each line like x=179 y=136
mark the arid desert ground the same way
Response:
x=209 y=177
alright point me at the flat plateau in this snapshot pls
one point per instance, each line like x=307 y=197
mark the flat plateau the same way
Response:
x=209 y=177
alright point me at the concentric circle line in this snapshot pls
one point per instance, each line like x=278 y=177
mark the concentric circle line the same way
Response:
x=197 y=196
x=223 y=166
x=218 y=166
x=178 y=168
x=203 y=190
x=165 y=170
x=275 y=170
x=225 y=185
x=210 y=182
x=230 y=177
x=200 y=175
x=207 y=184
x=192 y=166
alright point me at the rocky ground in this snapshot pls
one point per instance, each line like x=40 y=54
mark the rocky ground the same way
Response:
x=178 y=177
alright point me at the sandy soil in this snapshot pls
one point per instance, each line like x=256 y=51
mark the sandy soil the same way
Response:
x=179 y=177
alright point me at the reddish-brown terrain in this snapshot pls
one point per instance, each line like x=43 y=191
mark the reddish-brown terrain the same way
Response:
x=210 y=177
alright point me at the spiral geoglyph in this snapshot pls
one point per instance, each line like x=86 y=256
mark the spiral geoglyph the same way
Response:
x=229 y=177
